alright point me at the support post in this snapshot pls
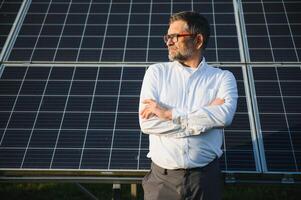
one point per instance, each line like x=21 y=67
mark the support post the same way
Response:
x=133 y=191
x=86 y=191
x=116 y=192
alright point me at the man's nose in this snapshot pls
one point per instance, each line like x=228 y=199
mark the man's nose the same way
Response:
x=169 y=42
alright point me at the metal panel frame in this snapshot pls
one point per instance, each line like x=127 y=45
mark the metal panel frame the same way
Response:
x=245 y=58
x=11 y=38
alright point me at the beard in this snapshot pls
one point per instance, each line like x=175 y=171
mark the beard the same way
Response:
x=180 y=55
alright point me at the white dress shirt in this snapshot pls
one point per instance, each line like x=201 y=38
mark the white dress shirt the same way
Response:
x=194 y=136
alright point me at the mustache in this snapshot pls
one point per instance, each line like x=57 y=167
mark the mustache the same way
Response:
x=172 y=48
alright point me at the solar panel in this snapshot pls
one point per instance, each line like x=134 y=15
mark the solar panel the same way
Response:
x=273 y=30
x=87 y=118
x=8 y=12
x=84 y=117
x=278 y=96
x=116 y=31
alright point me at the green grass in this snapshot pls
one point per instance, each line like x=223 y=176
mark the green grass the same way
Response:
x=262 y=192
x=64 y=191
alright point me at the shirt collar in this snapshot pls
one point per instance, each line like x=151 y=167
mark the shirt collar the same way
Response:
x=201 y=67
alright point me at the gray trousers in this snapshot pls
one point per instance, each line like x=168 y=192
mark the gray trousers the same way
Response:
x=202 y=183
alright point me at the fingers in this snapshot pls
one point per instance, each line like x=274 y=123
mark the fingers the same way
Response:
x=148 y=101
x=152 y=108
x=217 y=102
x=146 y=114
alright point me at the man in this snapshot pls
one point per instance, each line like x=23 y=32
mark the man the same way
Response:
x=184 y=105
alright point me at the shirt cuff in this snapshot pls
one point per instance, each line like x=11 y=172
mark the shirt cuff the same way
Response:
x=200 y=122
x=176 y=116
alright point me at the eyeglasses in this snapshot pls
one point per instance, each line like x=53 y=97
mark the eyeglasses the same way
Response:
x=174 y=37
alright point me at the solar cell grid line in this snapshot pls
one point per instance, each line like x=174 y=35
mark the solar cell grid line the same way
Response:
x=87 y=42
x=157 y=29
x=149 y=30
x=105 y=31
x=14 y=104
x=35 y=120
x=88 y=123
x=286 y=120
x=269 y=37
x=61 y=122
x=277 y=97
x=290 y=30
x=57 y=51
x=114 y=46
x=123 y=123
x=40 y=152
x=38 y=36
x=84 y=29
x=127 y=32
x=134 y=136
x=214 y=31
x=115 y=119
x=77 y=149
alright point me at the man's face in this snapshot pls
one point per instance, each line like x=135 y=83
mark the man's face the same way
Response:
x=184 y=48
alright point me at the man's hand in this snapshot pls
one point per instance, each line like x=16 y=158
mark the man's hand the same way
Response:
x=152 y=108
x=217 y=102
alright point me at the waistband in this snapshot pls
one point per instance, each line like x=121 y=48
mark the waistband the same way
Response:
x=185 y=170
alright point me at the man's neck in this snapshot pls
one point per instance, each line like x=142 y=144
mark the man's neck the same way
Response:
x=192 y=63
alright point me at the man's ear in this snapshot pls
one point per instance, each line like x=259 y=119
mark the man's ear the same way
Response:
x=199 y=41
